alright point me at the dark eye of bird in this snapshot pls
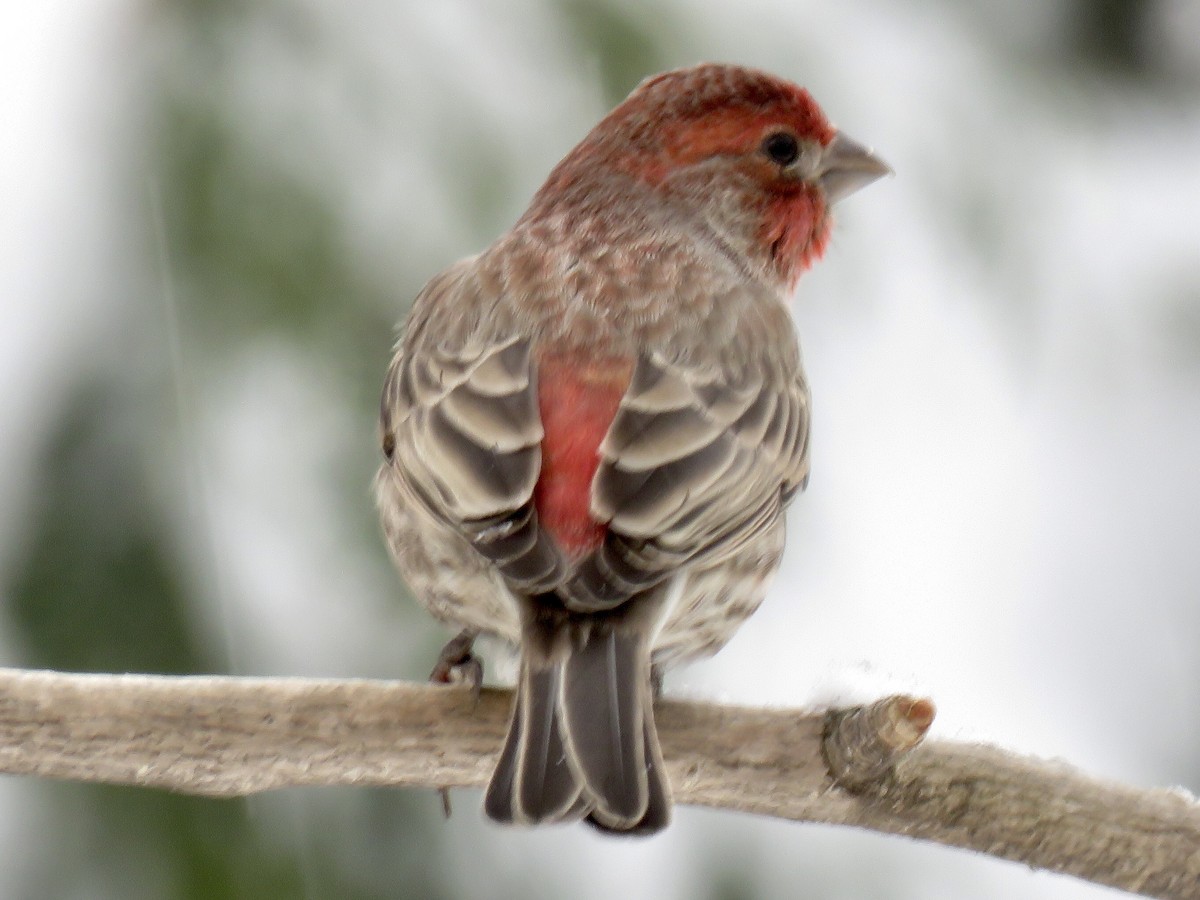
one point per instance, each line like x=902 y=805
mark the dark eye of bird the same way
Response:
x=782 y=147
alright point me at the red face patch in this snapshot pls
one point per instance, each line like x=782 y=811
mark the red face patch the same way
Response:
x=796 y=227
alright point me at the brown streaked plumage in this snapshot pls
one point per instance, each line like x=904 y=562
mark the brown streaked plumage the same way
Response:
x=592 y=428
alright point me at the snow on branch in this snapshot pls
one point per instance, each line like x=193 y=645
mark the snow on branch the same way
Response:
x=860 y=766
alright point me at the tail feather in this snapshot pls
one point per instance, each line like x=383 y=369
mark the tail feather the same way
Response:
x=546 y=786
x=604 y=686
x=498 y=799
x=533 y=781
x=582 y=740
x=658 y=807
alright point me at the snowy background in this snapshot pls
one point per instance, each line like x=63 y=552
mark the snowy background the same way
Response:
x=213 y=213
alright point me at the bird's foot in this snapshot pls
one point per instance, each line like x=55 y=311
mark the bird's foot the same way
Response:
x=456 y=663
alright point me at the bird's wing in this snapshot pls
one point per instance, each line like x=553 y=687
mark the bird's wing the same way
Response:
x=699 y=460
x=460 y=423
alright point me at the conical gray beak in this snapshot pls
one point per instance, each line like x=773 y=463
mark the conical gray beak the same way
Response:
x=846 y=166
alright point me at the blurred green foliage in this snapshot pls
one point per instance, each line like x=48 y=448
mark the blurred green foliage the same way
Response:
x=625 y=41
x=98 y=589
x=1114 y=34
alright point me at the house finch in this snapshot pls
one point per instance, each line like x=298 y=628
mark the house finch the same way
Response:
x=592 y=428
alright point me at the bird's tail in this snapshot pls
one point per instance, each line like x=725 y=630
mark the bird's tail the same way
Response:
x=582 y=740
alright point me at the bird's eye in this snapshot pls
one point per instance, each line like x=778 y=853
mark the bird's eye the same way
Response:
x=782 y=147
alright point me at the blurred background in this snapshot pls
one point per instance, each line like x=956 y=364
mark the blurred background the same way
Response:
x=212 y=214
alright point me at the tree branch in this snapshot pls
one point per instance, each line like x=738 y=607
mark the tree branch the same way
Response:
x=235 y=736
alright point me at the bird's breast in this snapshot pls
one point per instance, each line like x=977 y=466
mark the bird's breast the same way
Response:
x=578 y=396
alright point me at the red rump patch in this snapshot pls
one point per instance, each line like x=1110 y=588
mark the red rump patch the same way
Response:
x=577 y=399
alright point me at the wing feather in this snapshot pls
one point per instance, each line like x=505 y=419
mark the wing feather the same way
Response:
x=699 y=461
x=461 y=418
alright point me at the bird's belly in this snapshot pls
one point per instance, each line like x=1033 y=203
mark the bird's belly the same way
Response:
x=714 y=601
x=442 y=570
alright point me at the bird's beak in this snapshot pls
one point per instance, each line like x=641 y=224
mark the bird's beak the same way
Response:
x=846 y=166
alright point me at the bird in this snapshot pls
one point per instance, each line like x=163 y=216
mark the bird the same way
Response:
x=592 y=428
